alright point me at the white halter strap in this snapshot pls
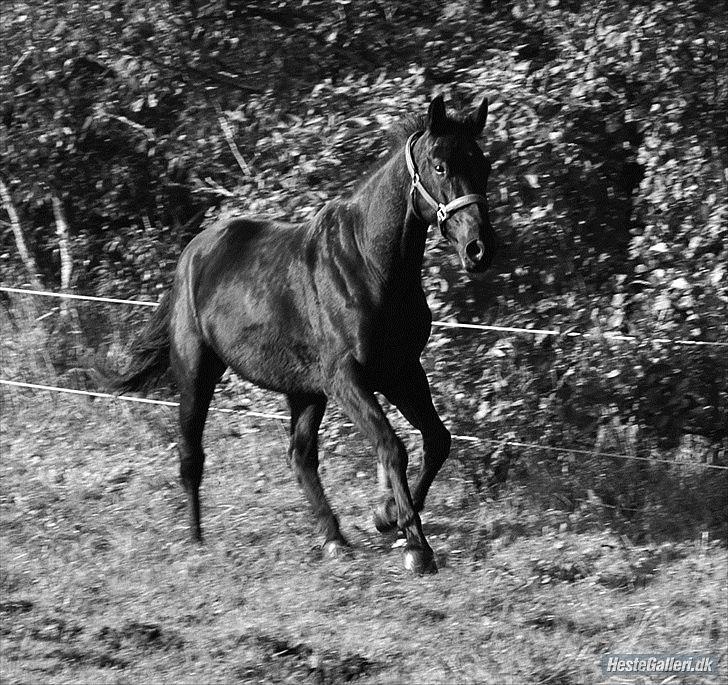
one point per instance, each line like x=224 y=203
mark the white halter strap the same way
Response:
x=444 y=211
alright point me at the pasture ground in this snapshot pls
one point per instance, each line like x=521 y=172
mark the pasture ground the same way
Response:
x=99 y=583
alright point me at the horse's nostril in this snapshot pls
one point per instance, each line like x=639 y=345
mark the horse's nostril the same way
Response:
x=475 y=250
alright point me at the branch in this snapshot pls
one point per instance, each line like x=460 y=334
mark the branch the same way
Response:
x=27 y=258
x=213 y=187
x=133 y=124
x=185 y=70
x=231 y=82
x=64 y=249
x=21 y=59
x=227 y=132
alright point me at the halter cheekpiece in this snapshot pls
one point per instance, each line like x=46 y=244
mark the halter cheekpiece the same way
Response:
x=443 y=211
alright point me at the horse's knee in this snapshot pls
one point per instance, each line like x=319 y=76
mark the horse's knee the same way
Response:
x=446 y=439
x=298 y=469
x=438 y=442
x=303 y=444
x=190 y=471
x=392 y=455
x=385 y=483
x=303 y=460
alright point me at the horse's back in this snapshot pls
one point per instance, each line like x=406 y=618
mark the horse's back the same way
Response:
x=227 y=243
x=242 y=285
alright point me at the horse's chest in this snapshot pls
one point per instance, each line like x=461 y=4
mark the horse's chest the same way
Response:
x=396 y=334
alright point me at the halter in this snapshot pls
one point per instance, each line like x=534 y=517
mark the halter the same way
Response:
x=444 y=211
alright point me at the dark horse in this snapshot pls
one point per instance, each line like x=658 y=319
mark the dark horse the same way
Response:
x=329 y=309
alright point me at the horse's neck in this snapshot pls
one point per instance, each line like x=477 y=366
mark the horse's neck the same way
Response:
x=391 y=238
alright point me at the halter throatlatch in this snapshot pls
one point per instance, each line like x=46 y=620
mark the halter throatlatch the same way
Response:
x=444 y=211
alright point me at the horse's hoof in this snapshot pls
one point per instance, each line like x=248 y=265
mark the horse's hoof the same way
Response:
x=336 y=549
x=419 y=561
x=384 y=521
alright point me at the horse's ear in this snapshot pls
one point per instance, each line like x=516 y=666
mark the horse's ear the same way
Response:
x=436 y=117
x=477 y=119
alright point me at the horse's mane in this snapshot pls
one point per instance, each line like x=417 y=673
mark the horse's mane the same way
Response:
x=405 y=127
x=397 y=135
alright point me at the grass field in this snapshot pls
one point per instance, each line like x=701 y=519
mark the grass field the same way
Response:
x=99 y=582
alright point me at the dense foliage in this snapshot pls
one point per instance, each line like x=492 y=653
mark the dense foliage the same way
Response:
x=608 y=137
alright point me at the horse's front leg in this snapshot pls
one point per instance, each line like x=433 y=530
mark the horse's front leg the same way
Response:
x=359 y=403
x=412 y=397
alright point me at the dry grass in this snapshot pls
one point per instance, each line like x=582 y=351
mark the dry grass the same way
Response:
x=99 y=583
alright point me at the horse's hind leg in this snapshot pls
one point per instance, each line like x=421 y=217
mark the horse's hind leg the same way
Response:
x=306 y=414
x=197 y=370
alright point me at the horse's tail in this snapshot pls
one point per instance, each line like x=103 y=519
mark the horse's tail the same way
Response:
x=150 y=353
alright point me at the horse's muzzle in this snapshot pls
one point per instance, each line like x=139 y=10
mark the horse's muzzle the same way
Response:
x=478 y=255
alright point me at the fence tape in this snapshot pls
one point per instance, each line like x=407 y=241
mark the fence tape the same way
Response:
x=284 y=417
x=69 y=296
x=142 y=400
x=442 y=324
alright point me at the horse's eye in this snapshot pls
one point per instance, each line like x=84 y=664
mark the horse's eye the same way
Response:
x=439 y=169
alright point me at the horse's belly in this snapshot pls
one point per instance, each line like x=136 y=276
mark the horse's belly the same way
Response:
x=275 y=362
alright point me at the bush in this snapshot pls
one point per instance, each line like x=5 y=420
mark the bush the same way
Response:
x=607 y=133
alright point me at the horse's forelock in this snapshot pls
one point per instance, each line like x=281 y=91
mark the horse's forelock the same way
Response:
x=453 y=125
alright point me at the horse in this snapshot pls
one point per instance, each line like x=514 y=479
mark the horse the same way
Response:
x=329 y=309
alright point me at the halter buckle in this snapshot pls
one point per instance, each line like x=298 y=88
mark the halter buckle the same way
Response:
x=442 y=214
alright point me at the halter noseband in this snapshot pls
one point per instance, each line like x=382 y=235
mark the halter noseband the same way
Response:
x=444 y=211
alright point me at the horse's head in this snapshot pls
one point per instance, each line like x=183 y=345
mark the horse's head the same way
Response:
x=449 y=176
